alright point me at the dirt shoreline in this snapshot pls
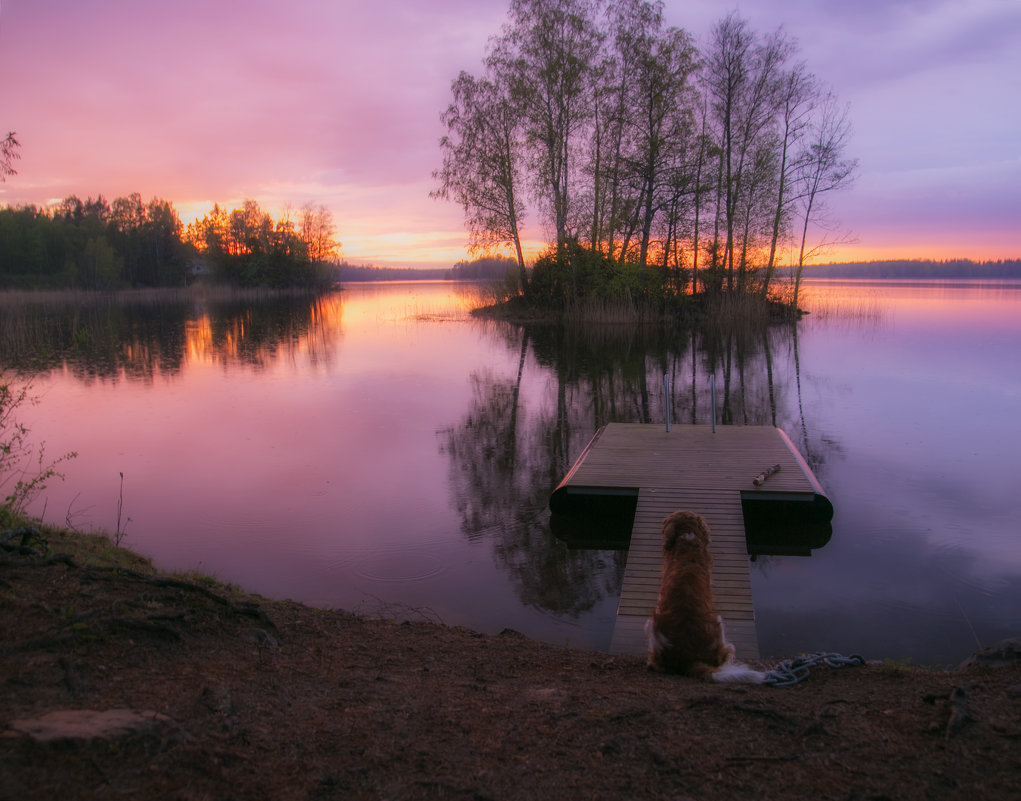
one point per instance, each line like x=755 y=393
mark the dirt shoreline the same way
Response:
x=240 y=697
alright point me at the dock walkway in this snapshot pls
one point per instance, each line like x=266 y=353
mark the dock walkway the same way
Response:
x=711 y=473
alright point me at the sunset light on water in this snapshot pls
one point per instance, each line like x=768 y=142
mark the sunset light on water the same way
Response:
x=360 y=451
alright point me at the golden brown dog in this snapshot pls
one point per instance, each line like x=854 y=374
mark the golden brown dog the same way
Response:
x=685 y=633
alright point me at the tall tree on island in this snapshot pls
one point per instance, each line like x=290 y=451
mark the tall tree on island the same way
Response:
x=481 y=165
x=641 y=129
x=743 y=76
x=824 y=169
x=548 y=52
x=798 y=96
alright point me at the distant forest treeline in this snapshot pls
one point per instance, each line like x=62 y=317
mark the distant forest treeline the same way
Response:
x=94 y=244
x=487 y=268
x=495 y=268
x=370 y=272
x=918 y=268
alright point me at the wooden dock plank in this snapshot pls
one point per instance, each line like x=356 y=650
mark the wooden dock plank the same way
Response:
x=694 y=468
x=731 y=581
x=646 y=456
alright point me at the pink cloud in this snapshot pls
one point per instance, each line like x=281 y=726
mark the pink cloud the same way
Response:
x=339 y=101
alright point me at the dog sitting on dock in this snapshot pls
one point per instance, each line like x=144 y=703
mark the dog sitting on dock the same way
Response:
x=685 y=633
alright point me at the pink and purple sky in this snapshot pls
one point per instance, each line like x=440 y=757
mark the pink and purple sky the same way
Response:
x=338 y=101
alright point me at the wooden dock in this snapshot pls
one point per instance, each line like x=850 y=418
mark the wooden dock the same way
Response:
x=713 y=474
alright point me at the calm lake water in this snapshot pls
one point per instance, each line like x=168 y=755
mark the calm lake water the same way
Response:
x=380 y=451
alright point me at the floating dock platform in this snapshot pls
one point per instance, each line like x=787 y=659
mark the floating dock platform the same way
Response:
x=755 y=491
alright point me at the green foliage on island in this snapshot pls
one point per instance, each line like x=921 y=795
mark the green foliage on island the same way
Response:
x=919 y=268
x=97 y=245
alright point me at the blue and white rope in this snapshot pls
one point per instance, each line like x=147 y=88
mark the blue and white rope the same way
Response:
x=791 y=671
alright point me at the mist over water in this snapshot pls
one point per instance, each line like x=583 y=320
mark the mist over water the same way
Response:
x=380 y=450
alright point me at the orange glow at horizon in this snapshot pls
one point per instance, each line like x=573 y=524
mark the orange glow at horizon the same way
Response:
x=439 y=247
x=909 y=252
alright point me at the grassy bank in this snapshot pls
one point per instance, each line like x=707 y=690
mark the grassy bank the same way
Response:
x=246 y=698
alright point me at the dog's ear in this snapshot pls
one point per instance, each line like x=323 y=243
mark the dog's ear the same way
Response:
x=669 y=536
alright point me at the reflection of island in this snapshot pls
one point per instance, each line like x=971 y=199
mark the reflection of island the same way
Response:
x=502 y=466
x=522 y=431
x=141 y=334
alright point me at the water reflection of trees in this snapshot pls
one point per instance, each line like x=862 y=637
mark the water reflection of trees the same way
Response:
x=141 y=335
x=523 y=430
x=501 y=476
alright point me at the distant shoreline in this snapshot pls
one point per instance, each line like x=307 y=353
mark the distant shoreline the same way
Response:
x=892 y=268
x=918 y=269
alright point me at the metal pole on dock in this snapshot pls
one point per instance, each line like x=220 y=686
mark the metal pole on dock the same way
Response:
x=666 y=400
x=712 y=394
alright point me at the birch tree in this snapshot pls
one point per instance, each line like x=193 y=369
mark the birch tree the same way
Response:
x=742 y=78
x=824 y=169
x=666 y=123
x=798 y=97
x=549 y=50
x=482 y=164
x=629 y=23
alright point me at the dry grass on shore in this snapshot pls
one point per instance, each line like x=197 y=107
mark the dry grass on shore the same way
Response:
x=248 y=698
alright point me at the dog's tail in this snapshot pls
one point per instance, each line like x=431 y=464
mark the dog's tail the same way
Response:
x=734 y=672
